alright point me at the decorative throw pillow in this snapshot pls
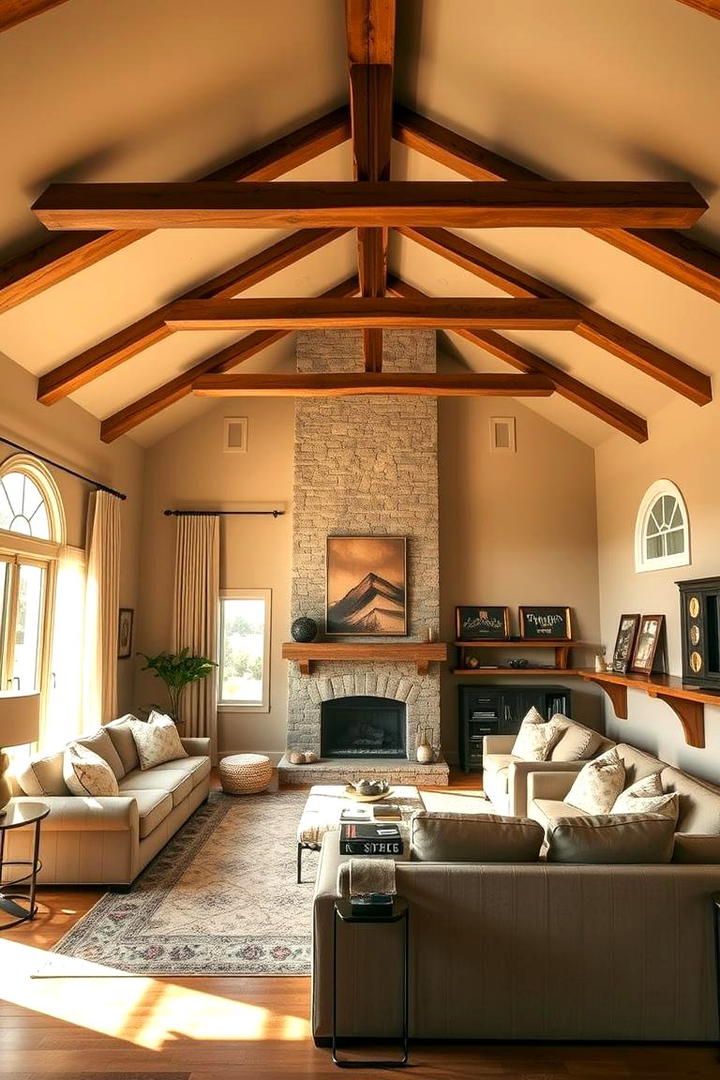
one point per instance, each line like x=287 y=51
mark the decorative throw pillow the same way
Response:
x=576 y=742
x=647 y=787
x=157 y=740
x=611 y=838
x=646 y=796
x=86 y=773
x=598 y=784
x=535 y=740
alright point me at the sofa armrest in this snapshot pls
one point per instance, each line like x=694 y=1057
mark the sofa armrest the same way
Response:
x=83 y=813
x=498 y=744
x=197 y=746
x=519 y=773
x=553 y=784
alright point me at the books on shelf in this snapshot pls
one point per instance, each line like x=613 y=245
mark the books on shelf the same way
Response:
x=371 y=839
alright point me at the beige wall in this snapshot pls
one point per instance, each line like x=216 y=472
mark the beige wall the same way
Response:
x=684 y=447
x=69 y=434
x=189 y=470
x=516 y=529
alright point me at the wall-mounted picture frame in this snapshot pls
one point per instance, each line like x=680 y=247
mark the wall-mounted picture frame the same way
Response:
x=625 y=643
x=126 y=619
x=649 y=639
x=545 y=623
x=482 y=622
x=366 y=586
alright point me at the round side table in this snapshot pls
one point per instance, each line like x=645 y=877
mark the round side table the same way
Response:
x=20 y=906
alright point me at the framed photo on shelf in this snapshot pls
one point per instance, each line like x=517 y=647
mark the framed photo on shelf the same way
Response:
x=649 y=639
x=125 y=632
x=476 y=622
x=625 y=643
x=366 y=586
x=551 y=623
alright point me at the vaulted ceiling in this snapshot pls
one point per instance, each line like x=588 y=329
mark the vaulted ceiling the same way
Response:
x=130 y=91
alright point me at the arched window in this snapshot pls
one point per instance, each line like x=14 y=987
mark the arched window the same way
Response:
x=662 y=529
x=30 y=501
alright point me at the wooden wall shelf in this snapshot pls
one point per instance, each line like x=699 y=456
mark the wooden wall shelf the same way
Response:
x=514 y=672
x=415 y=652
x=561 y=649
x=687 y=702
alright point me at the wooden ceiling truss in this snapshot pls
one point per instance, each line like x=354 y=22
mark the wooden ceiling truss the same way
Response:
x=638 y=218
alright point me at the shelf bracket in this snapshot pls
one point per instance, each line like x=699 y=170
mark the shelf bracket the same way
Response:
x=305 y=667
x=691 y=715
x=562 y=655
x=617 y=695
x=423 y=667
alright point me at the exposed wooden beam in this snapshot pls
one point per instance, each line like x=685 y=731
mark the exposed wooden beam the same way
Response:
x=680 y=257
x=333 y=204
x=371 y=112
x=159 y=399
x=370 y=29
x=707 y=7
x=13 y=12
x=151 y=328
x=31 y=273
x=342 y=384
x=592 y=401
x=366 y=312
x=609 y=335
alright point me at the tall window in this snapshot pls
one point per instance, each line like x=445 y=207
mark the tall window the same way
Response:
x=31 y=532
x=662 y=532
x=244 y=672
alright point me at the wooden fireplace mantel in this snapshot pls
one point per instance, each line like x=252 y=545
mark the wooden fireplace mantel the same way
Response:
x=415 y=652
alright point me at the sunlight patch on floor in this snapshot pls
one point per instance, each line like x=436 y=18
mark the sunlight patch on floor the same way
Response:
x=146 y=1012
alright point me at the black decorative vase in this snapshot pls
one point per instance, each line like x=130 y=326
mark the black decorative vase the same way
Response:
x=304 y=629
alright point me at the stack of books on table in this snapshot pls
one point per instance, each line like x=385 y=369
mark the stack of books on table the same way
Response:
x=371 y=838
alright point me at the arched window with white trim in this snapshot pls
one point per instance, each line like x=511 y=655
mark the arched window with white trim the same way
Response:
x=662 y=529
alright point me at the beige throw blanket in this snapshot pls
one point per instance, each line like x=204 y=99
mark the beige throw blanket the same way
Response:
x=372 y=876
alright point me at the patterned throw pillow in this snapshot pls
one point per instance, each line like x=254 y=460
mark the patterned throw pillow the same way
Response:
x=646 y=796
x=535 y=740
x=576 y=742
x=86 y=773
x=157 y=740
x=598 y=784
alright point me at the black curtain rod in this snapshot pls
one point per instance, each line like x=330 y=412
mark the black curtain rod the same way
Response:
x=223 y=513
x=64 y=468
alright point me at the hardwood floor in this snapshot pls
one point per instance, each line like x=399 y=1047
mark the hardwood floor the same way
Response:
x=227 y=1028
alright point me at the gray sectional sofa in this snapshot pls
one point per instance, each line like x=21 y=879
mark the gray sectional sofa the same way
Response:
x=108 y=841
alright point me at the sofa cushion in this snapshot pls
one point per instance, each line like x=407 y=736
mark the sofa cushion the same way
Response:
x=86 y=773
x=699 y=802
x=548 y=811
x=101 y=744
x=154 y=805
x=576 y=742
x=121 y=735
x=177 y=783
x=157 y=740
x=598 y=784
x=478 y=838
x=44 y=776
x=197 y=768
x=694 y=848
x=646 y=797
x=637 y=763
x=611 y=838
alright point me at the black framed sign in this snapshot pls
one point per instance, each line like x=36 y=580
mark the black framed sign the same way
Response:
x=478 y=622
x=553 y=623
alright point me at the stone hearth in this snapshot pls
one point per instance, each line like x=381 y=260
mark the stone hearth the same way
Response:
x=365 y=467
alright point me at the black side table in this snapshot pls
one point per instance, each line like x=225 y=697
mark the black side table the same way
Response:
x=17 y=815
x=399 y=913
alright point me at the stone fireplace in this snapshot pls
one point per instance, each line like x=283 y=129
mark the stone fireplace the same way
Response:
x=365 y=466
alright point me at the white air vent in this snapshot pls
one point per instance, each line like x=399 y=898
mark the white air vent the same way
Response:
x=235 y=435
x=502 y=434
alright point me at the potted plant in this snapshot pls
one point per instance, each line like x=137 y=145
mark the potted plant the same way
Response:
x=177 y=671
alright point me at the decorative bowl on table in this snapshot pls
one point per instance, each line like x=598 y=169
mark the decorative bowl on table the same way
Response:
x=368 y=790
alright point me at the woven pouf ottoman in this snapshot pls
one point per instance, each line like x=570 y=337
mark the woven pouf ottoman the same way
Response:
x=245 y=774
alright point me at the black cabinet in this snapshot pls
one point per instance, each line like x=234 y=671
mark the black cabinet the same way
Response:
x=499 y=710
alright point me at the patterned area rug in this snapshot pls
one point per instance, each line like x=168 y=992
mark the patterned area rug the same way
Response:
x=219 y=899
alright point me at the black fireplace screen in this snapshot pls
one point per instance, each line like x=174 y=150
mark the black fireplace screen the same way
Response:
x=363 y=727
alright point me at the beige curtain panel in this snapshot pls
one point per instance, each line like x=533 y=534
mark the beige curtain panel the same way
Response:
x=102 y=603
x=197 y=595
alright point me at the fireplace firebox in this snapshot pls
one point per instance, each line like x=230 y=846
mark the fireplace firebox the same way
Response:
x=363 y=727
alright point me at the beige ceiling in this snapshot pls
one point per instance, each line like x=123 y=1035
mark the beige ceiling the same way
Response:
x=580 y=89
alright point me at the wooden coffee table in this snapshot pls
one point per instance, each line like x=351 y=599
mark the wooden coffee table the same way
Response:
x=321 y=814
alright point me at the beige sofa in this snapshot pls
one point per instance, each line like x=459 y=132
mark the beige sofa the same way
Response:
x=108 y=841
x=505 y=777
x=697 y=837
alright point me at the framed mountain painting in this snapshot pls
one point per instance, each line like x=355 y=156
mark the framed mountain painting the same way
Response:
x=366 y=586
